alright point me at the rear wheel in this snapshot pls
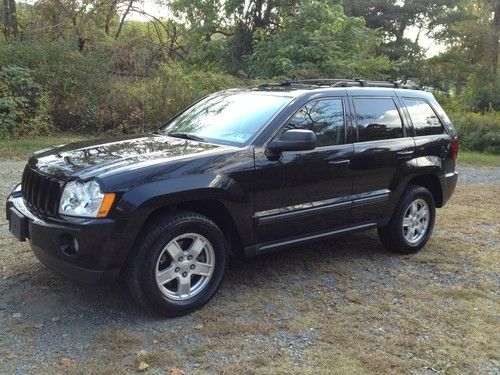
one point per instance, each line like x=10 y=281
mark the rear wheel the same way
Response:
x=412 y=222
x=178 y=263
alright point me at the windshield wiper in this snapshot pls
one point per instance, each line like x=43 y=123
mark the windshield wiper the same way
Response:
x=186 y=136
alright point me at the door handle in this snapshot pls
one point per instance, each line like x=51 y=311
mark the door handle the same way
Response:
x=340 y=163
x=405 y=154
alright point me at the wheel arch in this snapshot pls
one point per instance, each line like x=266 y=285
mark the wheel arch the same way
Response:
x=213 y=209
x=432 y=183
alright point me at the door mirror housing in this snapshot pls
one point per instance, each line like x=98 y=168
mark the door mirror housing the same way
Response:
x=293 y=140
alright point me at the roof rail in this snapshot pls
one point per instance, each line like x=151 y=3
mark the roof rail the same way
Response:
x=341 y=82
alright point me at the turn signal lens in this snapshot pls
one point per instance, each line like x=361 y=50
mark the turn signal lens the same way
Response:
x=106 y=204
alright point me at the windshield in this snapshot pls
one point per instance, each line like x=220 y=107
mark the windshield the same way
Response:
x=226 y=117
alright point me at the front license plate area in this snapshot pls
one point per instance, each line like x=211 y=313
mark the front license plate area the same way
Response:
x=18 y=224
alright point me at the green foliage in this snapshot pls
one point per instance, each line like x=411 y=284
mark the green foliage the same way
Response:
x=24 y=106
x=469 y=67
x=109 y=88
x=482 y=97
x=478 y=132
x=318 y=41
x=74 y=80
x=75 y=67
x=137 y=105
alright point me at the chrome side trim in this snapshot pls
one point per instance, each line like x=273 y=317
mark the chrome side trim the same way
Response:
x=302 y=212
x=318 y=207
x=451 y=174
x=301 y=206
x=369 y=200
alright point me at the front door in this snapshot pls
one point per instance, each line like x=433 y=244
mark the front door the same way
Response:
x=306 y=192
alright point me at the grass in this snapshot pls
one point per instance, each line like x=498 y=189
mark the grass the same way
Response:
x=22 y=148
x=478 y=159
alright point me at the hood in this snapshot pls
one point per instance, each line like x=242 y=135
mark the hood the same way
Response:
x=92 y=158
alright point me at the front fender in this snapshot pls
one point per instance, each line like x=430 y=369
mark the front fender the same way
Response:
x=144 y=199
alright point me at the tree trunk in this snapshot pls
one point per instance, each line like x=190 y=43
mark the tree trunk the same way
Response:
x=81 y=43
x=6 y=17
x=13 y=17
x=122 y=21
x=349 y=8
x=109 y=16
x=495 y=42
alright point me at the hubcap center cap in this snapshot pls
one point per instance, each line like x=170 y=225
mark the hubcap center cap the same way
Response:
x=185 y=266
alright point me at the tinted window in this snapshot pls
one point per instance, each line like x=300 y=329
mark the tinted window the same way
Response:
x=228 y=117
x=324 y=117
x=425 y=121
x=377 y=118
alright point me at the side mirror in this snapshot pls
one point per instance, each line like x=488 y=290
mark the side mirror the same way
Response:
x=293 y=140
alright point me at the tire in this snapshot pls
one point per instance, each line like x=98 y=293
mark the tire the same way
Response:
x=151 y=263
x=408 y=230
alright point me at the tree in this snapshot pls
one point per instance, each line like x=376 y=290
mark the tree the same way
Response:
x=495 y=38
x=319 y=41
x=236 y=20
x=394 y=18
x=10 y=18
x=469 y=67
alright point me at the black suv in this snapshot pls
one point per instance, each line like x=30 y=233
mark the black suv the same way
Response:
x=239 y=172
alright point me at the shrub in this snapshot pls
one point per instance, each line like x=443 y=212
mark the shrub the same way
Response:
x=135 y=104
x=104 y=89
x=24 y=106
x=478 y=132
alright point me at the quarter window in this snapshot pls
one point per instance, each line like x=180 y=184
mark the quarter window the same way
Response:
x=423 y=117
x=377 y=118
x=324 y=117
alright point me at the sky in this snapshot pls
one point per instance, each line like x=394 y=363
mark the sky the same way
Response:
x=424 y=41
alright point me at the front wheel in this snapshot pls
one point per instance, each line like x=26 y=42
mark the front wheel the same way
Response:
x=178 y=263
x=412 y=222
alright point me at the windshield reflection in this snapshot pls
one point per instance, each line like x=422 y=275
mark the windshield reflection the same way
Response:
x=227 y=117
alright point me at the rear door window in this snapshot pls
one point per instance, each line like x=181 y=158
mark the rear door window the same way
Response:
x=423 y=117
x=377 y=118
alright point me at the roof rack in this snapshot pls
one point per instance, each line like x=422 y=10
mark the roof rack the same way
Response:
x=341 y=83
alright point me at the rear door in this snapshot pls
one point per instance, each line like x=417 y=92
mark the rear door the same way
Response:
x=382 y=154
x=431 y=139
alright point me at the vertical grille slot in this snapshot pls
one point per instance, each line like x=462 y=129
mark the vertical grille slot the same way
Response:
x=40 y=192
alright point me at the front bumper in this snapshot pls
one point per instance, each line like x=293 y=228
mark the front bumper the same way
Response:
x=81 y=251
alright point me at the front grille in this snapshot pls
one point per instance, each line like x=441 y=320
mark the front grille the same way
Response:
x=41 y=192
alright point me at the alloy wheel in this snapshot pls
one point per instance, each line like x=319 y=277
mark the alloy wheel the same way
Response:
x=416 y=221
x=185 y=266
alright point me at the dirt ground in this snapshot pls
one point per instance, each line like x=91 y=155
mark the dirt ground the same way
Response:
x=340 y=306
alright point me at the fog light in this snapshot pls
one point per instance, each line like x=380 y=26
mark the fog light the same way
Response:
x=68 y=245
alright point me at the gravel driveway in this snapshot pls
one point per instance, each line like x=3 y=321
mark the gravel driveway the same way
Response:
x=48 y=324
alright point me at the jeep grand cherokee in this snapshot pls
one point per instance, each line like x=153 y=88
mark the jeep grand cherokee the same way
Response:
x=239 y=172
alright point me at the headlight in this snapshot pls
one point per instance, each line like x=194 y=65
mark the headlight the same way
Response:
x=85 y=199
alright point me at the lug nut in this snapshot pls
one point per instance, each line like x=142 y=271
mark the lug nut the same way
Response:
x=176 y=269
x=192 y=266
x=184 y=274
x=190 y=257
x=180 y=259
